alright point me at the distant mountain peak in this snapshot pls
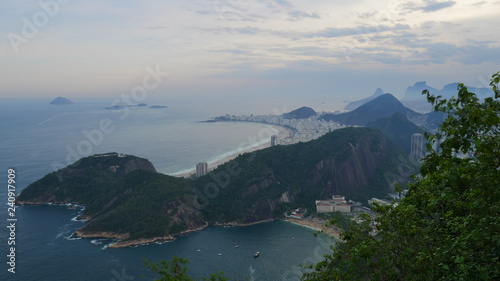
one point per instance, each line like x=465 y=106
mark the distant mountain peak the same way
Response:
x=414 y=99
x=420 y=84
x=378 y=92
x=382 y=106
x=384 y=98
x=397 y=128
x=415 y=92
x=61 y=101
x=300 y=113
x=355 y=104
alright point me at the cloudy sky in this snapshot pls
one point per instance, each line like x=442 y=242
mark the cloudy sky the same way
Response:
x=343 y=48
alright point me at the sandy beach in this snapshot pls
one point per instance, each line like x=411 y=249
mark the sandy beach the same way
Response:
x=316 y=224
x=282 y=133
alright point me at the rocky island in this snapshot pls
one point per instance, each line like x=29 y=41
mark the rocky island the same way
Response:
x=143 y=105
x=61 y=101
x=126 y=199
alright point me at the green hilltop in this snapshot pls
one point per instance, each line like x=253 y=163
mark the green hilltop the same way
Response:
x=125 y=198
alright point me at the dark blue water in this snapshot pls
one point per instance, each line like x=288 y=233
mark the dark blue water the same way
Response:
x=37 y=137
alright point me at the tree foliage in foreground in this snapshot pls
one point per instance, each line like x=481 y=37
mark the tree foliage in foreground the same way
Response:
x=176 y=270
x=448 y=225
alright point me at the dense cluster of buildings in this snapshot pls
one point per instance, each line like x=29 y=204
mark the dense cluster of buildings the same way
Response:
x=303 y=129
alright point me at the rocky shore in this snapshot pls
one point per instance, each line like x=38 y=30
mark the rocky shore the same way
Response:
x=123 y=242
x=122 y=238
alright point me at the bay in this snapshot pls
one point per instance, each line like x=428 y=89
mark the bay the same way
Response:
x=36 y=138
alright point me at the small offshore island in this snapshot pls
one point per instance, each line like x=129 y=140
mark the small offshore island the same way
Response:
x=61 y=101
x=126 y=199
x=140 y=105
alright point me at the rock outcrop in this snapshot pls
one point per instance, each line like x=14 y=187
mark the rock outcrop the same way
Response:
x=61 y=101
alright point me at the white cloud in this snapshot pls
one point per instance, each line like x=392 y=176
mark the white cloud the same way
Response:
x=97 y=47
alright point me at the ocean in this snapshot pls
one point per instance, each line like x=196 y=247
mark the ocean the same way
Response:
x=37 y=138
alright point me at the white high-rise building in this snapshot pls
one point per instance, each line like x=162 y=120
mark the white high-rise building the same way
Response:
x=201 y=169
x=274 y=140
x=417 y=146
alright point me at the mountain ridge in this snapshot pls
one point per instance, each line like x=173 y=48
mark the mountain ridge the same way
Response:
x=414 y=99
x=139 y=204
x=381 y=107
x=355 y=104
x=398 y=129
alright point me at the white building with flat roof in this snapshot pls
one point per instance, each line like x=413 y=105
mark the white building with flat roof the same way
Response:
x=337 y=203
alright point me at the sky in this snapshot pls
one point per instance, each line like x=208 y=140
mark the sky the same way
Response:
x=232 y=48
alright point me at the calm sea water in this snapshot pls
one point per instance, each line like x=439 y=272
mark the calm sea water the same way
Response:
x=36 y=138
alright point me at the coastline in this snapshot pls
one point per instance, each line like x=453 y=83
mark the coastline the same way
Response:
x=121 y=243
x=146 y=241
x=243 y=224
x=283 y=132
x=316 y=224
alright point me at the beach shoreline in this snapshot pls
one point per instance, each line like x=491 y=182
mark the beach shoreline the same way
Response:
x=283 y=132
x=122 y=241
x=316 y=224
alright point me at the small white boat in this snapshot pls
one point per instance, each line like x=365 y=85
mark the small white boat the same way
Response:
x=256 y=255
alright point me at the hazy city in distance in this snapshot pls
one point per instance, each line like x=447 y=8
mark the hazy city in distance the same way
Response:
x=225 y=132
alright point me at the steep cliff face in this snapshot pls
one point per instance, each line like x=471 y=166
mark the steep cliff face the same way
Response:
x=372 y=170
x=126 y=198
x=347 y=177
x=359 y=163
x=398 y=129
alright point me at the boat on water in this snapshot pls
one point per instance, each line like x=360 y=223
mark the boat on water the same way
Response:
x=236 y=246
x=256 y=255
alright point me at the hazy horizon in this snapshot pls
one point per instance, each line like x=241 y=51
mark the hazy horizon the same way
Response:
x=236 y=48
